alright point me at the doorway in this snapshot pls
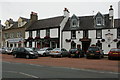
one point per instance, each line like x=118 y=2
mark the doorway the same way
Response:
x=85 y=45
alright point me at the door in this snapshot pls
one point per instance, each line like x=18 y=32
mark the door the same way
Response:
x=85 y=45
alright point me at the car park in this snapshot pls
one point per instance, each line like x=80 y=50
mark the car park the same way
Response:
x=76 y=52
x=114 y=53
x=44 y=51
x=94 y=52
x=59 y=52
x=24 y=52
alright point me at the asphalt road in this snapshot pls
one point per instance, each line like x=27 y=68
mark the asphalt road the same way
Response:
x=22 y=70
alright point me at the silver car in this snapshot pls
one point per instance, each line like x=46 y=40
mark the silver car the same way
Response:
x=59 y=52
x=44 y=51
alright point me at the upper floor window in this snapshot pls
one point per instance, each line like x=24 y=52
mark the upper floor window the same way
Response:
x=98 y=34
x=118 y=33
x=85 y=34
x=30 y=33
x=20 y=24
x=47 y=32
x=74 y=21
x=11 y=35
x=73 y=34
x=6 y=35
x=99 y=21
x=38 y=33
x=19 y=34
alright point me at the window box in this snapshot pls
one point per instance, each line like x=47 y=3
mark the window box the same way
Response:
x=103 y=40
x=115 y=40
x=68 y=40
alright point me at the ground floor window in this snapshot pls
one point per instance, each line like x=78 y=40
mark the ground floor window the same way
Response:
x=11 y=45
x=30 y=44
x=73 y=45
x=118 y=44
x=19 y=45
x=53 y=44
x=99 y=44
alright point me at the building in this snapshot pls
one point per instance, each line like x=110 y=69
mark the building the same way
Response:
x=0 y=34
x=100 y=29
x=14 y=31
x=46 y=32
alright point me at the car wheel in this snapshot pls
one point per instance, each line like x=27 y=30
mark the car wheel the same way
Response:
x=110 y=58
x=44 y=54
x=61 y=55
x=79 y=56
x=27 y=56
x=100 y=57
x=15 y=56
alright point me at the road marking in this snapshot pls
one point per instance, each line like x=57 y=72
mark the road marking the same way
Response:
x=22 y=74
x=28 y=75
x=97 y=71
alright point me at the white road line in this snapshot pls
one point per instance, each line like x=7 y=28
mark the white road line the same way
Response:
x=70 y=68
x=28 y=75
x=22 y=74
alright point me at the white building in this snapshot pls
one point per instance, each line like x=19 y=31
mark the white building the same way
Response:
x=1 y=44
x=46 y=32
x=100 y=29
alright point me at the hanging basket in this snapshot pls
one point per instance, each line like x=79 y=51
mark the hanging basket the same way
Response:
x=115 y=40
x=103 y=40
x=68 y=40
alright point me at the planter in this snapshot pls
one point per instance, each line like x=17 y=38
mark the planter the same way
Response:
x=103 y=40
x=115 y=40
x=68 y=40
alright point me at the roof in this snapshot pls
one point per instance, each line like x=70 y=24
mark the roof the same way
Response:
x=117 y=23
x=24 y=19
x=46 y=23
x=86 y=22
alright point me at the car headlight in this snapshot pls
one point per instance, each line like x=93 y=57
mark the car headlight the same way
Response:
x=31 y=53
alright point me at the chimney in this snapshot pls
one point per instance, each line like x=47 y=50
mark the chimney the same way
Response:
x=33 y=16
x=111 y=16
x=66 y=12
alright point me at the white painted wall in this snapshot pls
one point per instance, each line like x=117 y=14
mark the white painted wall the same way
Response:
x=26 y=34
x=66 y=35
x=92 y=36
x=42 y=33
x=54 y=33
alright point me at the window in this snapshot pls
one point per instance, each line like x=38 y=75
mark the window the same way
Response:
x=47 y=32
x=20 y=24
x=98 y=34
x=73 y=45
x=85 y=34
x=38 y=33
x=99 y=21
x=19 y=34
x=30 y=33
x=73 y=34
x=11 y=35
x=6 y=35
x=118 y=33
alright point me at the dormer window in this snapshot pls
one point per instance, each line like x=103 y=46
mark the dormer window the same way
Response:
x=99 y=21
x=20 y=24
x=74 y=21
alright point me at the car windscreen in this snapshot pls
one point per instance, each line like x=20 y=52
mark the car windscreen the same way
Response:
x=93 y=49
x=56 y=49
x=28 y=49
x=115 y=50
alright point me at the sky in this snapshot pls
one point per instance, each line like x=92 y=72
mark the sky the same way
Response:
x=51 y=8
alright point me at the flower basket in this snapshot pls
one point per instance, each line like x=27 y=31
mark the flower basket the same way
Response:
x=103 y=40
x=68 y=40
x=37 y=37
x=115 y=40
x=46 y=37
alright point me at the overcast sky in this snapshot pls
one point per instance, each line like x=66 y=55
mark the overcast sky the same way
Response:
x=14 y=9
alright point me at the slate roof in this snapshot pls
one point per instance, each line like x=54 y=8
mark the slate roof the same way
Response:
x=46 y=23
x=15 y=24
x=86 y=22
x=117 y=23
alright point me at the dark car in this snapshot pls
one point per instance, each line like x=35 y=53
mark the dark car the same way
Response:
x=24 y=52
x=76 y=53
x=114 y=53
x=94 y=52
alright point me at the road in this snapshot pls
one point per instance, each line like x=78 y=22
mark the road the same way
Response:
x=24 y=70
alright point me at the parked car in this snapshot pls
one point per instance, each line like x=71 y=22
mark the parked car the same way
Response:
x=4 y=50
x=24 y=52
x=9 y=51
x=60 y=52
x=94 y=51
x=76 y=52
x=44 y=51
x=114 y=53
